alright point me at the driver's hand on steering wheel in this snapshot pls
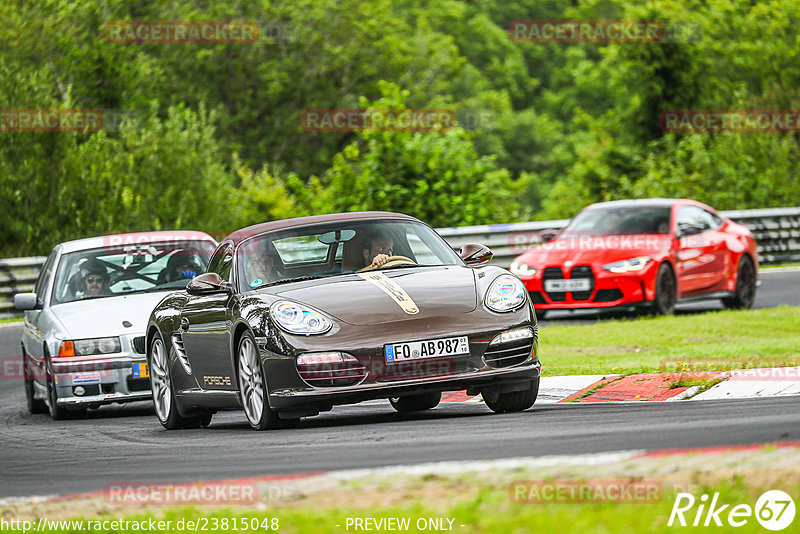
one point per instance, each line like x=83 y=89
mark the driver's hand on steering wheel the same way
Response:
x=379 y=260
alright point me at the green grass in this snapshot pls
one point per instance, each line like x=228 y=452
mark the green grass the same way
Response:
x=488 y=510
x=778 y=265
x=12 y=320
x=703 y=342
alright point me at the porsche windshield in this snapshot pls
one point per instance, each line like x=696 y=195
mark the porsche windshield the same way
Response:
x=339 y=248
x=620 y=221
x=111 y=271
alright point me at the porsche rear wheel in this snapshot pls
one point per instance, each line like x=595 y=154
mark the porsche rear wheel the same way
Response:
x=163 y=396
x=512 y=401
x=666 y=291
x=253 y=389
x=745 y=293
x=416 y=403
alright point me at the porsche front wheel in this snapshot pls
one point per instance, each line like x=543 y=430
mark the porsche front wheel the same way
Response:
x=511 y=401
x=163 y=396
x=416 y=403
x=253 y=389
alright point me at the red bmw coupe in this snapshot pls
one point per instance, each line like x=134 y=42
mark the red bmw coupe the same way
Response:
x=647 y=254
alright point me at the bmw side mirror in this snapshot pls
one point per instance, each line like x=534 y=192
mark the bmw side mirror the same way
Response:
x=475 y=255
x=206 y=283
x=547 y=235
x=26 y=301
x=685 y=230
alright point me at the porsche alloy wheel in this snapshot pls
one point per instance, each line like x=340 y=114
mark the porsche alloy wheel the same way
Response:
x=162 y=389
x=416 y=403
x=745 y=293
x=511 y=401
x=253 y=389
x=163 y=396
x=666 y=291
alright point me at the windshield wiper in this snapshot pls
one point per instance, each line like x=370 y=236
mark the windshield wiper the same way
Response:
x=400 y=266
x=295 y=279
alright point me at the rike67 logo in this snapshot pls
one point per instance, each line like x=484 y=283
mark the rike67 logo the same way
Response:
x=774 y=510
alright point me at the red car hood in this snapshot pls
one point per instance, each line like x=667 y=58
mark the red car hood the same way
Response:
x=599 y=249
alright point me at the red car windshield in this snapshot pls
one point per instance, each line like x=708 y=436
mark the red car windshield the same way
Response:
x=619 y=221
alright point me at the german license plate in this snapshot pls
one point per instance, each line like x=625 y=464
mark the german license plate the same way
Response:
x=576 y=284
x=140 y=370
x=432 y=348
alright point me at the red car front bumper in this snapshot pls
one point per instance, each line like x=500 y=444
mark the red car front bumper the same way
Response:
x=607 y=289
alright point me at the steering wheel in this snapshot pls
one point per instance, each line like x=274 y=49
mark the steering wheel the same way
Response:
x=393 y=260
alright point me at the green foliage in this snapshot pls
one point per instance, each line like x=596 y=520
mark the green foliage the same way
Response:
x=216 y=141
x=436 y=176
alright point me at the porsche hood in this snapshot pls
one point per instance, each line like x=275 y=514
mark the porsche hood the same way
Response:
x=382 y=296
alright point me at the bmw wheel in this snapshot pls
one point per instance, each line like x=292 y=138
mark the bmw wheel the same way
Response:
x=253 y=389
x=666 y=291
x=416 y=403
x=34 y=405
x=745 y=293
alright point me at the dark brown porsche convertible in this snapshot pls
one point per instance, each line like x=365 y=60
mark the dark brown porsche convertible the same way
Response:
x=295 y=316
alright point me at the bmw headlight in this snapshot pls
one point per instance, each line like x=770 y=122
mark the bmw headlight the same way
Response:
x=505 y=294
x=298 y=319
x=101 y=345
x=626 y=266
x=521 y=269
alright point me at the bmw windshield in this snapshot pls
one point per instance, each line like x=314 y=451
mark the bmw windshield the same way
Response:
x=619 y=221
x=112 y=271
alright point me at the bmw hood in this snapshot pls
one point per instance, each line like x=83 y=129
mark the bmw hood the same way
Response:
x=588 y=250
x=382 y=296
x=103 y=317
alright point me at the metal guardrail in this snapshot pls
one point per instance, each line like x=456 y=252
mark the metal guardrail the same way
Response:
x=17 y=275
x=777 y=232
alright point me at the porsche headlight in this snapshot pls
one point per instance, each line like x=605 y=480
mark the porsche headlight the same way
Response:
x=626 y=266
x=505 y=294
x=521 y=269
x=101 y=345
x=298 y=319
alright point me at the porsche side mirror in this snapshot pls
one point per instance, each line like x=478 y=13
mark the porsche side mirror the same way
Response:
x=206 y=283
x=475 y=255
x=26 y=301
x=548 y=235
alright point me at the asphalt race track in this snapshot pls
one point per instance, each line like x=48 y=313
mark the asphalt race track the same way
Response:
x=39 y=456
